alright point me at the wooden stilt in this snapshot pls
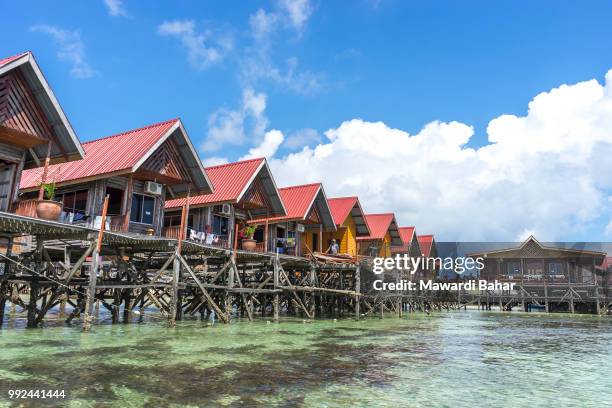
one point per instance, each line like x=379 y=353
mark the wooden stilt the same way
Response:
x=275 y=301
x=357 y=291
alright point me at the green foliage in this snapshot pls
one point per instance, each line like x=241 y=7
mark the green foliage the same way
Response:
x=49 y=189
x=249 y=231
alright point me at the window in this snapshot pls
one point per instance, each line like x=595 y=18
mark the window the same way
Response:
x=513 y=268
x=74 y=201
x=555 y=268
x=220 y=225
x=142 y=209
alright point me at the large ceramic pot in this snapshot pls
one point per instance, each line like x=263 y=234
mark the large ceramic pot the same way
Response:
x=249 y=244
x=48 y=210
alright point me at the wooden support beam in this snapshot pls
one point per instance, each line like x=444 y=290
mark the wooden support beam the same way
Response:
x=357 y=292
x=205 y=293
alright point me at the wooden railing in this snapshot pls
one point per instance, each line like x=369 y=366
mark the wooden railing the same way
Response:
x=172 y=232
x=26 y=208
x=260 y=247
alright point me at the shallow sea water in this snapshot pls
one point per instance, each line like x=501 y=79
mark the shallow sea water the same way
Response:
x=454 y=359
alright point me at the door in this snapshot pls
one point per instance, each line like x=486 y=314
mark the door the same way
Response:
x=6 y=188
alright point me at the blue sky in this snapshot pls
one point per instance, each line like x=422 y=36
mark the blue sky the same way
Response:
x=118 y=65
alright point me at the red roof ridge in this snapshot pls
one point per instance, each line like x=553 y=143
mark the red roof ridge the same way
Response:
x=343 y=198
x=387 y=213
x=218 y=166
x=301 y=185
x=425 y=236
x=12 y=58
x=126 y=132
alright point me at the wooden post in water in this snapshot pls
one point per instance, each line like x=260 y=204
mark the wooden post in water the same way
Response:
x=275 y=301
x=357 y=292
x=93 y=274
x=176 y=271
x=313 y=279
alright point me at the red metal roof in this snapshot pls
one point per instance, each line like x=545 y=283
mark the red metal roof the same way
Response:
x=229 y=182
x=6 y=60
x=102 y=156
x=425 y=242
x=406 y=234
x=379 y=225
x=341 y=208
x=298 y=200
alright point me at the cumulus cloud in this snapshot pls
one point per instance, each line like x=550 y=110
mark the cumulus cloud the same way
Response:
x=545 y=173
x=70 y=48
x=214 y=161
x=227 y=126
x=301 y=138
x=268 y=146
x=203 y=48
x=115 y=8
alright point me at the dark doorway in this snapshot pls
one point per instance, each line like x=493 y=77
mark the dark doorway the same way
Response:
x=115 y=200
x=315 y=241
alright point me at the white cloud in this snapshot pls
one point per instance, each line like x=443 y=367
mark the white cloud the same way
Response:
x=297 y=11
x=200 y=52
x=546 y=173
x=115 y=8
x=71 y=49
x=262 y=24
x=232 y=126
x=258 y=63
x=608 y=230
x=214 y=161
x=301 y=138
x=259 y=67
x=268 y=146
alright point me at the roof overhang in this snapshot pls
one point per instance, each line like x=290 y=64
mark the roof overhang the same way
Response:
x=569 y=252
x=264 y=175
x=69 y=145
x=200 y=183
x=363 y=230
x=320 y=203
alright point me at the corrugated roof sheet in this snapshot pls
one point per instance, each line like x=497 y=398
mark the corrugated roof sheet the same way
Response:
x=229 y=181
x=6 y=60
x=341 y=208
x=406 y=234
x=425 y=242
x=102 y=156
x=298 y=200
x=379 y=225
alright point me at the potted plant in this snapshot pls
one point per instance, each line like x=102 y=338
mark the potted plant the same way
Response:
x=248 y=243
x=48 y=209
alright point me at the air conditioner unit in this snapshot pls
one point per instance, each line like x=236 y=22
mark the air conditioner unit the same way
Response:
x=300 y=228
x=152 y=187
x=226 y=209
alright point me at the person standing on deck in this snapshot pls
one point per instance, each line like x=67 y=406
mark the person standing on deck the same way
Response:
x=333 y=248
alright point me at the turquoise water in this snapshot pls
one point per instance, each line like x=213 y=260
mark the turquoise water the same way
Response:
x=456 y=359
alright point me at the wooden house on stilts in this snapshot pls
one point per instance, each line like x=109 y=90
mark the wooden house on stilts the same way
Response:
x=383 y=235
x=350 y=223
x=138 y=170
x=244 y=190
x=33 y=127
x=301 y=231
